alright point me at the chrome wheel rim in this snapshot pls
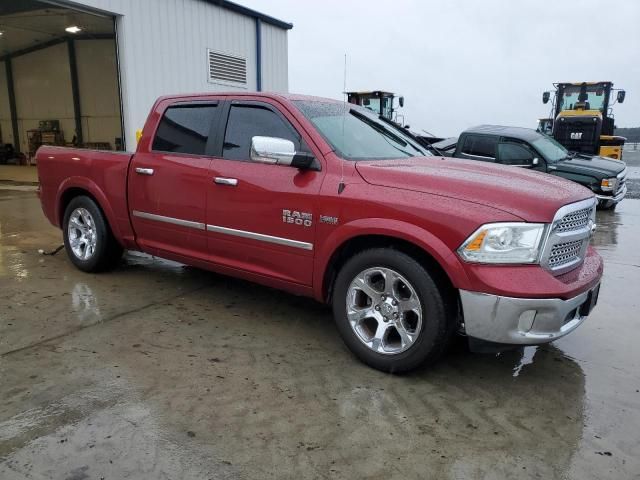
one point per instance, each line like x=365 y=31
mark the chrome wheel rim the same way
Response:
x=384 y=310
x=82 y=234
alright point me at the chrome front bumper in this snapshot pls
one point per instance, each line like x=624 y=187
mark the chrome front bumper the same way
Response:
x=524 y=321
x=615 y=199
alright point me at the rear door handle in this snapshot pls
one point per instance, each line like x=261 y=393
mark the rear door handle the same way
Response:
x=144 y=171
x=226 y=181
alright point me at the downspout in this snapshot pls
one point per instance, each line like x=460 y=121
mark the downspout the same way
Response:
x=258 y=55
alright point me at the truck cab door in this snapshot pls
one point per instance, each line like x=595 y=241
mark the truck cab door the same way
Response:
x=168 y=184
x=477 y=147
x=519 y=154
x=262 y=217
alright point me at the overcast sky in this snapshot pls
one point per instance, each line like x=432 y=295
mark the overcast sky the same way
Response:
x=463 y=63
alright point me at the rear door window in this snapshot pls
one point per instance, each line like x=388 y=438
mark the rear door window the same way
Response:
x=480 y=146
x=185 y=129
x=249 y=120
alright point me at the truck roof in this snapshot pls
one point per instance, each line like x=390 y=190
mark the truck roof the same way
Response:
x=519 y=133
x=289 y=96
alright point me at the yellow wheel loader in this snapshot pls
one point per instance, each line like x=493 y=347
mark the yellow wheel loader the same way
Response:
x=582 y=119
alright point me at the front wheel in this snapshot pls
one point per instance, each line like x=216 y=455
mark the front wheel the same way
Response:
x=88 y=240
x=607 y=205
x=389 y=310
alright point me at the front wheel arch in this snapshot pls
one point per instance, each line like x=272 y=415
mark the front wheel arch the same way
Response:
x=364 y=242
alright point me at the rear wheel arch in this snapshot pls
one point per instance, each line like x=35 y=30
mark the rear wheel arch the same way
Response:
x=72 y=192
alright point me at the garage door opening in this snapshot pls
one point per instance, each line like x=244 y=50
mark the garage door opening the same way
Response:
x=59 y=81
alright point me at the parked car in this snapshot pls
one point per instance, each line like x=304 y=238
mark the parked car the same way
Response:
x=527 y=148
x=321 y=198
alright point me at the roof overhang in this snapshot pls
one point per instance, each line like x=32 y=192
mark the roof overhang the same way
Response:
x=234 y=7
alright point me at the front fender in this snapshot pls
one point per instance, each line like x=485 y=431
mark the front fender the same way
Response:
x=418 y=236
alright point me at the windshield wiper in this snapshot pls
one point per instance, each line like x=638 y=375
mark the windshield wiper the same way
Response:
x=385 y=133
x=379 y=128
x=409 y=134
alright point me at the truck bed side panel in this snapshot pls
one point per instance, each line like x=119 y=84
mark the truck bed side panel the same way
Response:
x=102 y=174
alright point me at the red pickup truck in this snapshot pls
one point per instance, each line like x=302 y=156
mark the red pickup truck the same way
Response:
x=324 y=199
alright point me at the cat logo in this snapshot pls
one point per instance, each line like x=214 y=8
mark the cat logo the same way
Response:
x=297 y=218
x=576 y=135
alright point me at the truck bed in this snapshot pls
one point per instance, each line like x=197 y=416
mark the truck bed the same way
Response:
x=100 y=172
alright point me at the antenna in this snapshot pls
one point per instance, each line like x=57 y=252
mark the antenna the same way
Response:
x=344 y=116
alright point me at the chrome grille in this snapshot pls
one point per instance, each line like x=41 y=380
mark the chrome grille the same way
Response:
x=574 y=220
x=568 y=237
x=563 y=253
x=622 y=177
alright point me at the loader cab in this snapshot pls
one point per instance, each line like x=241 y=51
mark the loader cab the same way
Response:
x=584 y=96
x=582 y=119
x=380 y=102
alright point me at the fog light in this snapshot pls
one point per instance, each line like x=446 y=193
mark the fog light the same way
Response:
x=525 y=322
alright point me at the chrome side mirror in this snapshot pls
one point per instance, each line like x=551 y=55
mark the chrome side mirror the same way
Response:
x=535 y=161
x=280 y=151
x=273 y=150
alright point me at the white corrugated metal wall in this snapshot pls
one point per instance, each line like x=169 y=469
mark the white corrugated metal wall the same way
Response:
x=162 y=47
x=275 y=59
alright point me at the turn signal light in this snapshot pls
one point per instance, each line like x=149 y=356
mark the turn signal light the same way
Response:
x=476 y=243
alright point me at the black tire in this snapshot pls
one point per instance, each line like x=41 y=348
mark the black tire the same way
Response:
x=435 y=331
x=107 y=250
x=607 y=205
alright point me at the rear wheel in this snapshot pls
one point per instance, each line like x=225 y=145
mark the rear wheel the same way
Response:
x=389 y=311
x=88 y=239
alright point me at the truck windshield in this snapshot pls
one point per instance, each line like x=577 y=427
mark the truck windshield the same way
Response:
x=357 y=134
x=551 y=150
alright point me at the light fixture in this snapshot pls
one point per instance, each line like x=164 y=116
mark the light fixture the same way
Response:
x=73 y=29
x=1 y=33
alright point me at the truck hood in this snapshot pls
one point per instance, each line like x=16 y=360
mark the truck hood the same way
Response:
x=530 y=195
x=598 y=167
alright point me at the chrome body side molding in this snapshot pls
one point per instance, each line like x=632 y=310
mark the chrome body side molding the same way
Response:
x=225 y=230
x=173 y=221
x=261 y=237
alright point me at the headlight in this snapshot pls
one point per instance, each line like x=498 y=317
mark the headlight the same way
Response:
x=608 y=184
x=504 y=243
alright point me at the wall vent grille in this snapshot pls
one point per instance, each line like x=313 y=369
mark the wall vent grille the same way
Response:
x=227 y=68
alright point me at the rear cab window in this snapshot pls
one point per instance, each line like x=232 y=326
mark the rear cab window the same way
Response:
x=482 y=147
x=185 y=128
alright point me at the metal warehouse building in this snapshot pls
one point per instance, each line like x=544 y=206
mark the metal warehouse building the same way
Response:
x=87 y=72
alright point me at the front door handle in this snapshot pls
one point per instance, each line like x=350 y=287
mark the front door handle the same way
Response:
x=144 y=171
x=226 y=181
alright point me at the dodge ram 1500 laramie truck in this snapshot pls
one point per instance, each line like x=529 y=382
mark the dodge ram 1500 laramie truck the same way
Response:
x=322 y=198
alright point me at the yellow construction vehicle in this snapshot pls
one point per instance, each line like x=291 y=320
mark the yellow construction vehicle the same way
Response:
x=379 y=101
x=582 y=120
